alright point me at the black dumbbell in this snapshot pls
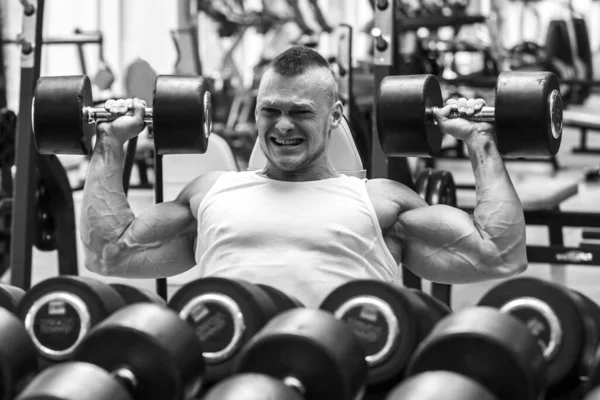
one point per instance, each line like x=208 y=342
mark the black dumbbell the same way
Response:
x=225 y=314
x=527 y=115
x=10 y=296
x=60 y=311
x=18 y=355
x=560 y=319
x=141 y=352
x=64 y=118
x=389 y=321
x=132 y=294
x=309 y=351
x=282 y=301
x=489 y=346
x=435 y=385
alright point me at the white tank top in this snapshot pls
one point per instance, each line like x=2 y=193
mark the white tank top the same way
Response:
x=303 y=238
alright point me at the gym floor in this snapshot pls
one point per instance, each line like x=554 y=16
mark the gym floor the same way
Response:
x=581 y=278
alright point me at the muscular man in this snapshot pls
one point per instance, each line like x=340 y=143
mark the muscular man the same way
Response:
x=298 y=224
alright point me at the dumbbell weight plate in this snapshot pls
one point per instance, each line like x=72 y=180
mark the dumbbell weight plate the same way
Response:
x=441 y=189
x=18 y=355
x=225 y=313
x=58 y=312
x=422 y=182
x=404 y=125
x=435 y=385
x=132 y=295
x=312 y=348
x=252 y=387
x=554 y=317
x=152 y=342
x=437 y=309
x=282 y=301
x=388 y=320
x=59 y=124
x=528 y=114
x=181 y=114
x=10 y=296
x=484 y=344
x=73 y=381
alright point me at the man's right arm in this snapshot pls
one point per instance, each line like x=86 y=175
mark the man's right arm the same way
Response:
x=158 y=243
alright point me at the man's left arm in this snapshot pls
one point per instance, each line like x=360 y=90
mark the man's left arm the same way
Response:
x=444 y=244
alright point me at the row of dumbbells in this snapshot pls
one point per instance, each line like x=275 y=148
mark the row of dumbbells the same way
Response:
x=73 y=337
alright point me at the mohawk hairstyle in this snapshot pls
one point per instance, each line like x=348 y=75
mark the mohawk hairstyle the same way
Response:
x=296 y=60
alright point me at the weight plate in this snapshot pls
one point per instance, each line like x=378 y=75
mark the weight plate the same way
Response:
x=282 y=301
x=528 y=114
x=552 y=315
x=405 y=125
x=422 y=182
x=441 y=189
x=489 y=346
x=388 y=320
x=10 y=296
x=59 y=119
x=310 y=349
x=160 y=351
x=252 y=387
x=58 y=312
x=132 y=294
x=18 y=355
x=435 y=385
x=225 y=314
x=69 y=381
x=181 y=114
x=437 y=309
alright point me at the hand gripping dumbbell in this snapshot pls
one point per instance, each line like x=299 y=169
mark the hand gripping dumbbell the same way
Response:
x=527 y=115
x=310 y=354
x=64 y=119
x=141 y=352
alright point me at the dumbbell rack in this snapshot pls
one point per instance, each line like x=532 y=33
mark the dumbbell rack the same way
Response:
x=28 y=162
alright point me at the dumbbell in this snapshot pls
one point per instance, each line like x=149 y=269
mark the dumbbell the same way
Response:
x=435 y=385
x=436 y=187
x=63 y=116
x=486 y=345
x=225 y=314
x=18 y=355
x=10 y=296
x=308 y=351
x=60 y=311
x=527 y=115
x=132 y=295
x=561 y=320
x=389 y=322
x=141 y=352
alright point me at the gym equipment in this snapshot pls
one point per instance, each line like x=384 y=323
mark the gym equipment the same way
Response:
x=310 y=351
x=18 y=356
x=527 y=115
x=282 y=301
x=560 y=321
x=10 y=296
x=132 y=295
x=486 y=345
x=63 y=116
x=252 y=387
x=144 y=349
x=8 y=126
x=389 y=321
x=45 y=227
x=434 y=385
x=224 y=314
x=59 y=312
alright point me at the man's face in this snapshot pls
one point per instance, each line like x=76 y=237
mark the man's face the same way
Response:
x=294 y=116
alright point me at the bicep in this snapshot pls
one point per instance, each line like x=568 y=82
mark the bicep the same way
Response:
x=442 y=244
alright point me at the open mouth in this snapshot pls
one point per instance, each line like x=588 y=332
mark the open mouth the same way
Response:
x=287 y=143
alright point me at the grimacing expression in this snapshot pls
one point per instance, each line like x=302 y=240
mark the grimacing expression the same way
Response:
x=293 y=116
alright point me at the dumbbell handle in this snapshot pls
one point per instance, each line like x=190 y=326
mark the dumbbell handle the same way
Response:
x=99 y=114
x=486 y=114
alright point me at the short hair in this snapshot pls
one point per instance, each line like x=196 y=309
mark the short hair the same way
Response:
x=296 y=60
x=299 y=59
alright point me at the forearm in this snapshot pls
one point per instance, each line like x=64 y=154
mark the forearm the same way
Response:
x=498 y=214
x=105 y=213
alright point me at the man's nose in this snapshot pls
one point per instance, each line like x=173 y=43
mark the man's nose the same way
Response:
x=284 y=124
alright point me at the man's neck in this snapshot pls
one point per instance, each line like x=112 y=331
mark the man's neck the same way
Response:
x=305 y=175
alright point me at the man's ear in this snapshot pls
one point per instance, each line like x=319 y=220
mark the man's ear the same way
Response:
x=337 y=114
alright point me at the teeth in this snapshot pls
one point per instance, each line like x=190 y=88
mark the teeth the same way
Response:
x=289 y=142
